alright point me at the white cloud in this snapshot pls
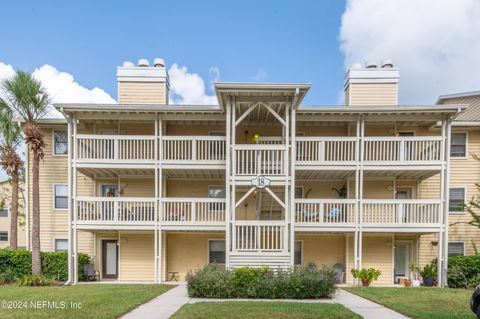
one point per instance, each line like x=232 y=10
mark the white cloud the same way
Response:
x=62 y=87
x=189 y=88
x=260 y=76
x=435 y=43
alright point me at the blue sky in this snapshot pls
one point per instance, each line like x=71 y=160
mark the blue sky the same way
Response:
x=273 y=41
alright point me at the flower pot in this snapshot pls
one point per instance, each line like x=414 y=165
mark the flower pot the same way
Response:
x=407 y=283
x=415 y=283
x=365 y=282
x=428 y=281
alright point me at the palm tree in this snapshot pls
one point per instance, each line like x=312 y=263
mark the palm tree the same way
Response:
x=27 y=99
x=10 y=138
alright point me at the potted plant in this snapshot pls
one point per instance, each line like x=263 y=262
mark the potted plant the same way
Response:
x=414 y=271
x=366 y=275
x=428 y=274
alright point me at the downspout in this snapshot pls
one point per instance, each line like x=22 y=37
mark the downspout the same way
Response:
x=70 y=204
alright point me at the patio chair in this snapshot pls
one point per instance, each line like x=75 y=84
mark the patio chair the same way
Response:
x=90 y=273
x=340 y=274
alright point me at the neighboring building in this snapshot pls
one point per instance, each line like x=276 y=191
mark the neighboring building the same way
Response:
x=464 y=175
x=148 y=189
x=5 y=218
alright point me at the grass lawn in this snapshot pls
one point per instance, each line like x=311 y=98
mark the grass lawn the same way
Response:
x=97 y=301
x=262 y=309
x=421 y=303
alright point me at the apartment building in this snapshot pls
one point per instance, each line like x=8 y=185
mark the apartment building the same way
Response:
x=5 y=217
x=152 y=190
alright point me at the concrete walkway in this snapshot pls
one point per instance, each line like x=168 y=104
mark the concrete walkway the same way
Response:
x=163 y=306
x=365 y=308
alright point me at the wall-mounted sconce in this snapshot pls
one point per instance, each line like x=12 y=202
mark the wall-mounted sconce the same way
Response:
x=434 y=243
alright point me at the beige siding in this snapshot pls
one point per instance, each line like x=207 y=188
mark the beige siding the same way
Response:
x=6 y=196
x=188 y=251
x=373 y=94
x=142 y=93
x=322 y=249
x=136 y=257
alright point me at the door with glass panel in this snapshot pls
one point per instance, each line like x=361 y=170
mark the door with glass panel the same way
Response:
x=109 y=259
x=402 y=259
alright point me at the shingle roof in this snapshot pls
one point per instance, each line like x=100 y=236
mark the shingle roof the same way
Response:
x=472 y=99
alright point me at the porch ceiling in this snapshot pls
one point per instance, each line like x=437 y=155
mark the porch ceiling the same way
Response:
x=402 y=174
x=323 y=174
x=116 y=172
x=195 y=173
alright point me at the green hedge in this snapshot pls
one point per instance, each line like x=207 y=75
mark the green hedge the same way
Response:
x=54 y=264
x=464 y=271
x=301 y=283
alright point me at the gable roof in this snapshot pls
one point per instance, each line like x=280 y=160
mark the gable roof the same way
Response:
x=472 y=99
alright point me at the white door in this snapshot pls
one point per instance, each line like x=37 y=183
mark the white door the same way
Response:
x=110 y=259
x=402 y=259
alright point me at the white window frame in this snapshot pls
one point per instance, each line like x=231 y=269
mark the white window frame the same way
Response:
x=8 y=212
x=53 y=196
x=8 y=236
x=466 y=146
x=53 y=142
x=216 y=186
x=55 y=240
x=301 y=251
x=464 y=199
x=459 y=242
x=208 y=248
x=303 y=191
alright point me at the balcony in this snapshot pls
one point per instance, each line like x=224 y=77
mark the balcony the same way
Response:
x=378 y=151
x=111 y=212
x=189 y=213
x=260 y=159
x=408 y=214
x=259 y=236
x=195 y=150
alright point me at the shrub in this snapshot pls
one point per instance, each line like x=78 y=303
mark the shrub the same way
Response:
x=429 y=271
x=32 y=280
x=54 y=264
x=301 y=283
x=7 y=277
x=463 y=271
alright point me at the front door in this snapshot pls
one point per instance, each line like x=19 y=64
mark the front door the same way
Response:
x=109 y=259
x=402 y=259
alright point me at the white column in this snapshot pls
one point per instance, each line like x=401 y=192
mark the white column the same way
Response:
x=233 y=169
x=293 y=158
x=70 y=202
x=228 y=194
x=161 y=189
x=360 y=195
x=156 y=207
x=74 y=196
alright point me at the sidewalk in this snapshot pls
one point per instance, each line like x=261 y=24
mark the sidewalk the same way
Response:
x=365 y=308
x=163 y=306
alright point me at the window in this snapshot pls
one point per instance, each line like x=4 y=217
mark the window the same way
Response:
x=61 y=196
x=4 y=212
x=456 y=249
x=298 y=192
x=216 y=251
x=456 y=200
x=60 y=141
x=61 y=245
x=216 y=192
x=458 y=145
x=297 y=258
x=3 y=235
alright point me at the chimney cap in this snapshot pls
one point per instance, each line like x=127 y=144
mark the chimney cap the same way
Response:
x=158 y=62
x=370 y=64
x=387 y=63
x=128 y=64
x=143 y=62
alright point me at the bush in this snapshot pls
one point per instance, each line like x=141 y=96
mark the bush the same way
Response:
x=464 y=271
x=32 y=280
x=7 y=277
x=215 y=281
x=18 y=263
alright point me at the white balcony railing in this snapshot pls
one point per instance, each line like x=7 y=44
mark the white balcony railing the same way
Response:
x=401 y=211
x=194 y=149
x=130 y=148
x=325 y=150
x=181 y=210
x=378 y=149
x=116 y=210
x=253 y=159
x=256 y=236
x=325 y=211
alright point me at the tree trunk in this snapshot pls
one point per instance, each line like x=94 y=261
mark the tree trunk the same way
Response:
x=36 y=262
x=14 y=212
